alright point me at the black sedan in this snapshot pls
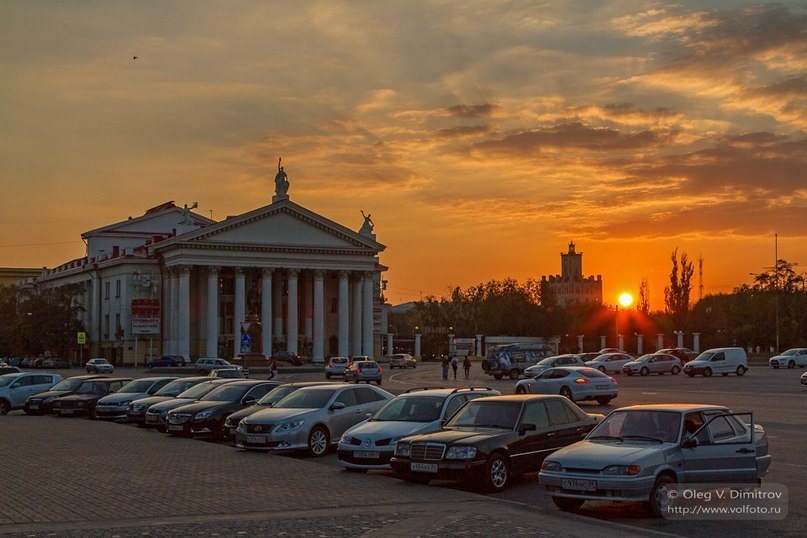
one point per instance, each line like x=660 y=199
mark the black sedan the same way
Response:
x=206 y=417
x=490 y=439
x=83 y=401
x=136 y=412
x=42 y=402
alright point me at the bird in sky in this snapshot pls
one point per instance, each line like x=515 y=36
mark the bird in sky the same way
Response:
x=134 y=57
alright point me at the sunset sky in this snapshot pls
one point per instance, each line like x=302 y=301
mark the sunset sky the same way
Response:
x=482 y=136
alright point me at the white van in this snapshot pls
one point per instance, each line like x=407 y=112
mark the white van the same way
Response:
x=721 y=360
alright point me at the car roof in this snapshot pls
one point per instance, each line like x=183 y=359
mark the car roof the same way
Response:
x=110 y=379
x=679 y=407
x=443 y=391
x=311 y=383
x=520 y=397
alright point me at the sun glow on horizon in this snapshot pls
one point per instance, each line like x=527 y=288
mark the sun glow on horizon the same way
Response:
x=625 y=299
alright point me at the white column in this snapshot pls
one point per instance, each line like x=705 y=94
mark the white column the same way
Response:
x=307 y=283
x=318 y=351
x=355 y=316
x=212 y=346
x=639 y=344
x=277 y=311
x=417 y=345
x=696 y=342
x=620 y=338
x=292 y=321
x=390 y=344
x=344 y=318
x=367 y=315
x=174 y=312
x=184 y=313
x=239 y=308
x=478 y=345
x=660 y=341
x=266 y=312
x=680 y=335
x=580 y=343
x=602 y=342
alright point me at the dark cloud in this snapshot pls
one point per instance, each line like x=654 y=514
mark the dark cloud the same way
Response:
x=792 y=87
x=473 y=111
x=463 y=130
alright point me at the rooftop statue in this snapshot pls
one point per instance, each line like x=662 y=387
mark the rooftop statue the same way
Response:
x=281 y=181
x=367 y=227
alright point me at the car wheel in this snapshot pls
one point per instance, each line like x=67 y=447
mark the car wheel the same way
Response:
x=521 y=390
x=327 y=376
x=513 y=374
x=603 y=400
x=566 y=393
x=601 y=368
x=659 y=499
x=497 y=473
x=414 y=365
x=741 y=370
x=318 y=442
x=791 y=364
x=644 y=371
x=5 y=407
x=675 y=370
x=568 y=504
x=497 y=376
x=707 y=372
x=379 y=382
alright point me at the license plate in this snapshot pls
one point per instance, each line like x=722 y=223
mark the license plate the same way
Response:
x=256 y=439
x=601 y=387
x=423 y=467
x=34 y=406
x=579 y=485
x=66 y=411
x=176 y=427
x=364 y=454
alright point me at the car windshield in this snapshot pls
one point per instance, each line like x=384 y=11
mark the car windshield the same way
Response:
x=277 y=394
x=366 y=364
x=226 y=393
x=306 y=399
x=644 y=358
x=650 y=425
x=486 y=414
x=197 y=391
x=790 y=352
x=100 y=361
x=339 y=361
x=139 y=385
x=92 y=387
x=175 y=387
x=411 y=409
x=545 y=362
x=6 y=380
x=68 y=384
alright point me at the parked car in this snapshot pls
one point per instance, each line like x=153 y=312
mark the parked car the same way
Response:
x=276 y=394
x=136 y=411
x=804 y=380
x=289 y=357
x=310 y=419
x=114 y=406
x=206 y=416
x=573 y=382
x=640 y=453
x=99 y=366
x=9 y=370
x=653 y=363
x=230 y=373
x=16 y=387
x=723 y=360
x=370 y=444
x=366 y=371
x=552 y=362
x=156 y=413
x=41 y=403
x=402 y=360
x=610 y=362
x=351 y=360
x=55 y=362
x=336 y=366
x=490 y=439
x=166 y=361
x=205 y=365
x=683 y=353
x=790 y=358
x=83 y=401
x=510 y=360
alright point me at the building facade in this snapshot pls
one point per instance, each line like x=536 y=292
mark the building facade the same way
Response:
x=278 y=278
x=571 y=286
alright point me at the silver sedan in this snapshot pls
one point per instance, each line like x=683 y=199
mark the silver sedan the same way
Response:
x=574 y=382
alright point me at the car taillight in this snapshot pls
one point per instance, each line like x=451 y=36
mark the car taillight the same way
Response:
x=358 y=370
x=380 y=370
x=612 y=380
x=581 y=381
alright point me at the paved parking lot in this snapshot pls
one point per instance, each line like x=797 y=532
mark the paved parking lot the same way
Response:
x=75 y=477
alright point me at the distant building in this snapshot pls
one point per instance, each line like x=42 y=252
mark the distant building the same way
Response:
x=571 y=286
x=15 y=276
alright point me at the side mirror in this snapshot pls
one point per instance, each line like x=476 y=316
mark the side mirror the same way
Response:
x=250 y=401
x=524 y=428
x=691 y=442
x=337 y=405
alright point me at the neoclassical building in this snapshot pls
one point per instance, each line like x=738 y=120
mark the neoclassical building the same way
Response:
x=278 y=278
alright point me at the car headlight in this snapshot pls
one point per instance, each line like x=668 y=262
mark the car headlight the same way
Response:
x=289 y=426
x=242 y=427
x=551 y=466
x=203 y=415
x=347 y=439
x=461 y=453
x=124 y=403
x=49 y=399
x=622 y=470
x=402 y=449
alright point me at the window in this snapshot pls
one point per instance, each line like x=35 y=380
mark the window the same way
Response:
x=367 y=395
x=106 y=327
x=347 y=397
x=536 y=414
x=718 y=357
x=454 y=404
x=117 y=288
x=557 y=413
x=106 y=290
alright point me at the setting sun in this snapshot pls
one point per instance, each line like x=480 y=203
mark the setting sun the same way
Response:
x=625 y=299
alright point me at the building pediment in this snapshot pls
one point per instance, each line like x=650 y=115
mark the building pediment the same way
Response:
x=280 y=225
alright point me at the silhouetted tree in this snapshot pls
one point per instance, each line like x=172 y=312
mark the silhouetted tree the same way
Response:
x=676 y=295
x=643 y=305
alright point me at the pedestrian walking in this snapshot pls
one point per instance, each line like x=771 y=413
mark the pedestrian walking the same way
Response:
x=466 y=364
x=273 y=369
x=454 y=364
x=445 y=367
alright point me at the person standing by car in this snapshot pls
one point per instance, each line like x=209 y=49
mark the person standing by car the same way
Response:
x=454 y=364
x=273 y=369
x=445 y=367
x=466 y=364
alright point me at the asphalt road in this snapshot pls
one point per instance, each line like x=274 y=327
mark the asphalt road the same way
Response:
x=775 y=397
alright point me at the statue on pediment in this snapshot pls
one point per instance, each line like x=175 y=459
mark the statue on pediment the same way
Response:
x=186 y=214
x=281 y=181
x=367 y=227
